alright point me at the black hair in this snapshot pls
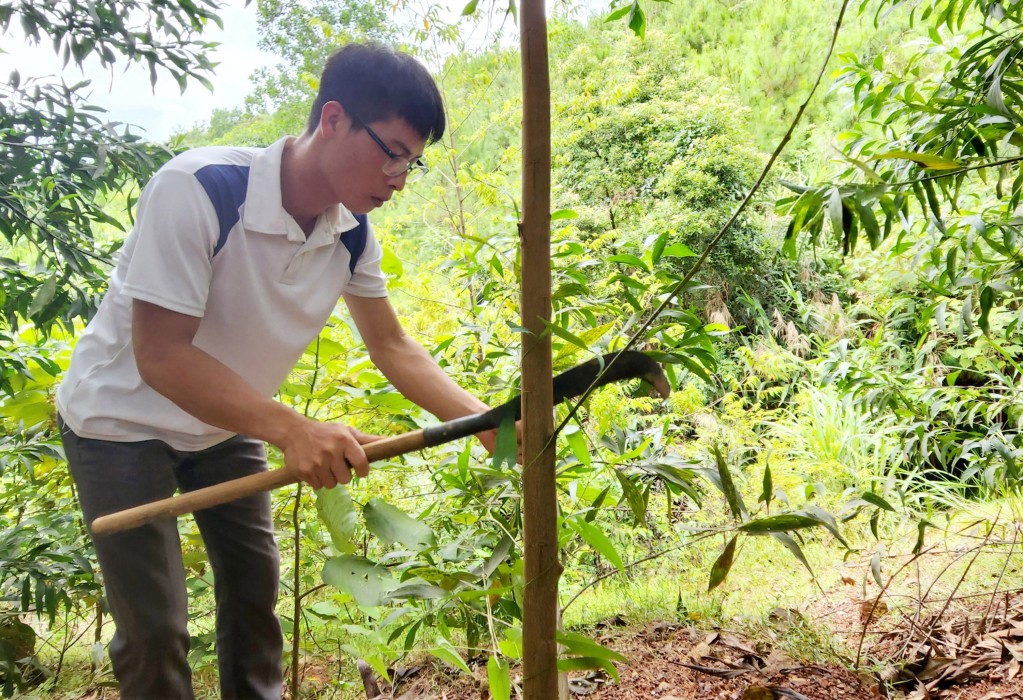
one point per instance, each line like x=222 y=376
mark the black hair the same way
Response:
x=374 y=82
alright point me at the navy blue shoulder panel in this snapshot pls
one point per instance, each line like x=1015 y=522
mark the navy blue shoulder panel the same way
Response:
x=225 y=185
x=355 y=240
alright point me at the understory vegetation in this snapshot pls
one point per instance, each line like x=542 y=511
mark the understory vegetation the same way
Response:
x=844 y=365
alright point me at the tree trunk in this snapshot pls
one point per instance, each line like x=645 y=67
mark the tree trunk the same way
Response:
x=542 y=565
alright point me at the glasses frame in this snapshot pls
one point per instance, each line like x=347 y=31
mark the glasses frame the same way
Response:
x=397 y=165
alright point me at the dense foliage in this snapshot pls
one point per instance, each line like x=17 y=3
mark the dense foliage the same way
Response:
x=824 y=394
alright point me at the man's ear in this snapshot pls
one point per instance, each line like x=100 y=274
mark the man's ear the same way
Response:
x=332 y=117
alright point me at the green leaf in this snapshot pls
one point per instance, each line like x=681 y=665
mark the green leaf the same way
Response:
x=506 y=449
x=565 y=334
x=637 y=20
x=926 y=160
x=875 y=569
x=587 y=663
x=43 y=296
x=678 y=250
x=365 y=581
x=874 y=499
x=835 y=212
x=581 y=645
x=723 y=565
x=658 y=248
x=727 y=486
x=618 y=14
x=632 y=495
x=564 y=214
x=784 y=522
x=449 y=655
x=986 y=299
x=932 y=201
x=790 y=543
x=920 y=527
x=337 y=511
x=628 y=259
x=499 y=678
x=469 y=8
x=596 y=538
x=768 y=488
x=577 y=442
x=391 y=264
x=392 y=525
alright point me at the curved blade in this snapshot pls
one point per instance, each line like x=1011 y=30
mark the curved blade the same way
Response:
x=612 y=367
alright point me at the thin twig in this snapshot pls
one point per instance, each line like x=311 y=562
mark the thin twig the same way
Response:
x=998 y=583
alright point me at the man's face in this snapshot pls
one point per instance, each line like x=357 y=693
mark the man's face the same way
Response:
x=355 y=163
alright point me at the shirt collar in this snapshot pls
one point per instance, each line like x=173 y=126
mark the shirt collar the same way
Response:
x=264 y=212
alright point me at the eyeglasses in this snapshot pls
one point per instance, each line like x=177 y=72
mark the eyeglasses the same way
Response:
x=397 y=165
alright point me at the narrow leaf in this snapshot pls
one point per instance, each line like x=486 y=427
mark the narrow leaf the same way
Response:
x=793 y=546
x=728 y=488
x=723 y=565
x=632 y=496
x=927 y=160
x=874 y=499
x=596 y=538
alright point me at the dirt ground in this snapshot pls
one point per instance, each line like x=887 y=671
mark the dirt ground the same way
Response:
x=966 y=649
x=970 y=649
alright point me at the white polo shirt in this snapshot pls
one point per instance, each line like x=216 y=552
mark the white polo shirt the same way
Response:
x=212 y=240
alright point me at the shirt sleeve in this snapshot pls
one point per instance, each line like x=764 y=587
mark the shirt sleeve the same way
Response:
x=176 y=230
x=368 y=279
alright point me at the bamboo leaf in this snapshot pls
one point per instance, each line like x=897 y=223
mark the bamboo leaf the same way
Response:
x=723 y=565
x=783 y=522
x=874 y=499
x=632 y=496
x=565 y=334
x=727 y=485
x=790 y=543
x=768 y=489
x=926 y=160
x=596 y=538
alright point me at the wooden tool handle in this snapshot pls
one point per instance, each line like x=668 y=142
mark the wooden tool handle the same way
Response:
x=575 y=382
x=237 y=488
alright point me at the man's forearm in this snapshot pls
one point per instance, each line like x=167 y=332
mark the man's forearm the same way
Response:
x=204 y=387
x=414 y=373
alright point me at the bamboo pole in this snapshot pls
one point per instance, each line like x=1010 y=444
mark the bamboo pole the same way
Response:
x=542 y=565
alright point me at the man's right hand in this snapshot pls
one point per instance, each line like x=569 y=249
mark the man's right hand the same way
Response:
x=326 y=454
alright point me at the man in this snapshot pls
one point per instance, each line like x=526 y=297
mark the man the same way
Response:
x=236 y=261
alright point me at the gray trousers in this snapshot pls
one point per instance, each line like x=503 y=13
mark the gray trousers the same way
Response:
x=144 y=576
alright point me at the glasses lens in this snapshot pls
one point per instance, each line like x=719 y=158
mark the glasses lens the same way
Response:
x=399 y=166
x=416 y=171
x=395 y=167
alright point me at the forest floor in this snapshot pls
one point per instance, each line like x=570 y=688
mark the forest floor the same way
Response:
x=966 y=649
x=849 y=643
